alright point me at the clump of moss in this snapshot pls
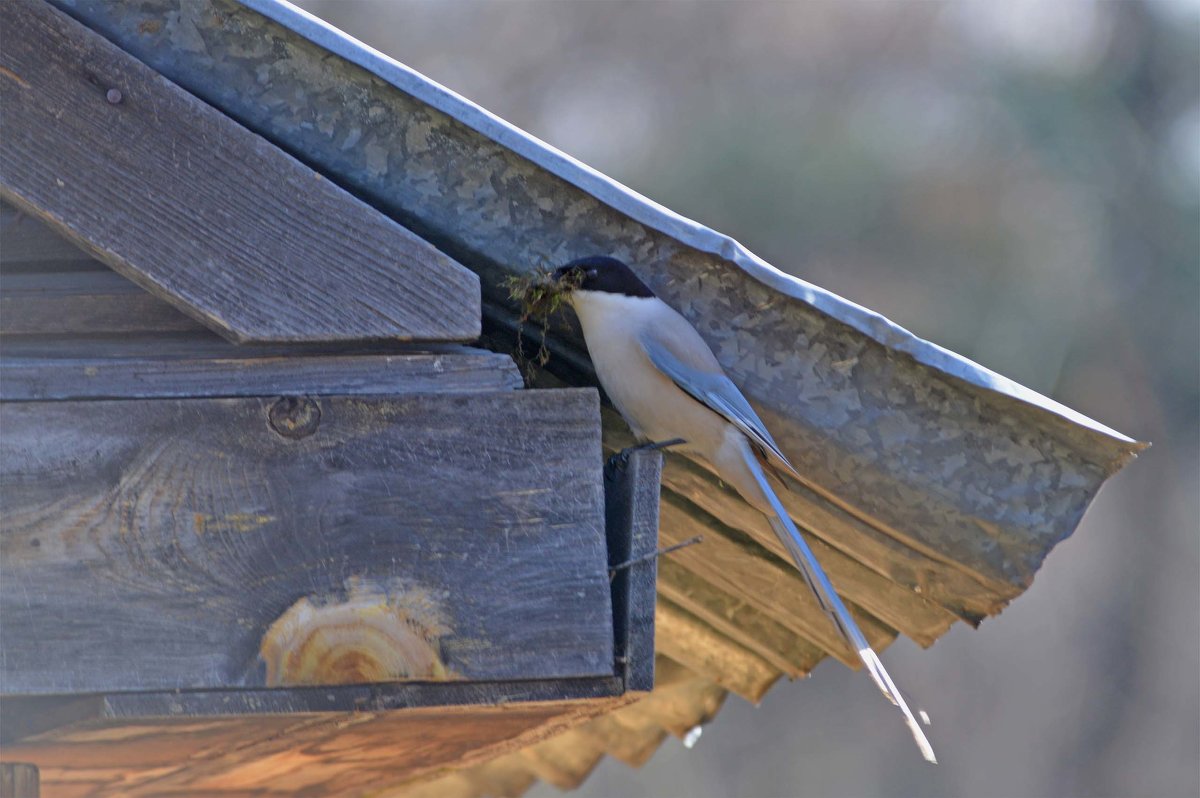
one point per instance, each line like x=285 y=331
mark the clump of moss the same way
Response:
x=539 y=296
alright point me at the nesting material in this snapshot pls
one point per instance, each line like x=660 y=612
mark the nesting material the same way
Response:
x=539 y=295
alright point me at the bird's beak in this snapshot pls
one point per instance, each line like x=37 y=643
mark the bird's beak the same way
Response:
x=558 y=278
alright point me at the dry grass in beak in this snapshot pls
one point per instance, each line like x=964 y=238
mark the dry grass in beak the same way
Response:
x=539 y=296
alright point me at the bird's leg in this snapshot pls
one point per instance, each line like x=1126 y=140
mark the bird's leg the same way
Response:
x=620 y=460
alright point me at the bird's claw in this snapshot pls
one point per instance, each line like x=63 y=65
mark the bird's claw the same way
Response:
x=620 y=460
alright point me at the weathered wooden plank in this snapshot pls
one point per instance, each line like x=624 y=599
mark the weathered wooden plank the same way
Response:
x=28 y=713
x=696 y=645
x=28 y=716
x=325 y=754
x=26 y=243
x=207 y=345
x=153 y=544
x=84 y=303
x=630 y=733
x=190 y=205
x=119 y=757
x=631 y=489
x=455 y=784
x=149 y=369
x=737 y=620
x=365 y=757
x=19 y=780
x=680 y=700
x=771 y=587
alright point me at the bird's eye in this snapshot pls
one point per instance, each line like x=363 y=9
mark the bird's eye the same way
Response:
x=591 y=272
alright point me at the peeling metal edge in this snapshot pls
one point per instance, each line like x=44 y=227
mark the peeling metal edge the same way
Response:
x=649 y=213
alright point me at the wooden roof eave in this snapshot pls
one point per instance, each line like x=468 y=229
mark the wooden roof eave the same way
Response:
x=864 y=408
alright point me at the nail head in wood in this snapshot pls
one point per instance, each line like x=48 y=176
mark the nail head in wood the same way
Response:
x=294 y=417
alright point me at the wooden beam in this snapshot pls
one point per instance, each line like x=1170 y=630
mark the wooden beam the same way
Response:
x=27 y=244
x=152 y=368
x=154 y=544
x=631 y=487
x=680 y=701
x=279 y=755
x=200 y=211
x=81 y=303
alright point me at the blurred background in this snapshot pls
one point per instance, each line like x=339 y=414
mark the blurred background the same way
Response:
x=1016 y=181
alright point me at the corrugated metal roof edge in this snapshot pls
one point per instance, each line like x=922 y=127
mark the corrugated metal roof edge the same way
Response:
x=653 y=215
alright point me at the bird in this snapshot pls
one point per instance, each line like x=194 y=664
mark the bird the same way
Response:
x=667 y=384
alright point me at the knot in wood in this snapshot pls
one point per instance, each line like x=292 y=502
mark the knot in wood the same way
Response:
x=294 y=417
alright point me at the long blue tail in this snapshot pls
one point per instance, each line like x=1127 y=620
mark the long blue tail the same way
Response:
x=832 y=604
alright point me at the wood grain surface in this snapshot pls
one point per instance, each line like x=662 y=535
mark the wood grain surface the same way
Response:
x=81 y=302
x=200 y=211
x=148 y=544
x=156 y=368
x=322 y=754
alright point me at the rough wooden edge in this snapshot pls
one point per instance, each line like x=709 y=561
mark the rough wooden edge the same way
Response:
x=631 y=488
x=241 y=374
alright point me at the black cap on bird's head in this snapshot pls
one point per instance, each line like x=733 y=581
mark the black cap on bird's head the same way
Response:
x=603 y=275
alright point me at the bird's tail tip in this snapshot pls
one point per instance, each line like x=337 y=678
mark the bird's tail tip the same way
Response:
x=889 y=689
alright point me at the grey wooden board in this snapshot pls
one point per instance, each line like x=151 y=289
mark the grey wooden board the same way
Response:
x=19 y=780
x=207 y=345
x=157 y=368
x=26 y=243
x=147 y=544
x=84 y=303
x=27 y=712
x=302 y=754
x=928 y=449
x=631 y=490
x=178 y=197
x=27 y=716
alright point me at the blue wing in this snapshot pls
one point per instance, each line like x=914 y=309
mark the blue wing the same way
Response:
x=717 y=391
